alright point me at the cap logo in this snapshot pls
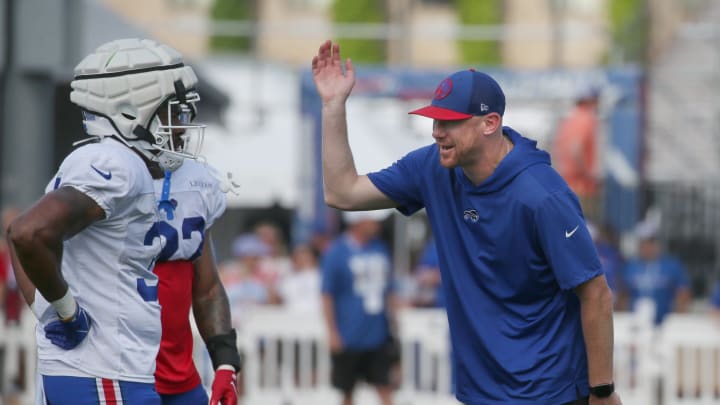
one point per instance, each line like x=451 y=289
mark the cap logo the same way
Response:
x=484 y=107
x=443 y=89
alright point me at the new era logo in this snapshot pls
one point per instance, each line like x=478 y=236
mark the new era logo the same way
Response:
x=484 y=107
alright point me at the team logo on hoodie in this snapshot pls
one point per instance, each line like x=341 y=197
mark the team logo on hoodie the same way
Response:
x=471 y=216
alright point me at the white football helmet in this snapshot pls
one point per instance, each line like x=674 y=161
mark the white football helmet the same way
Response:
x=140 y=92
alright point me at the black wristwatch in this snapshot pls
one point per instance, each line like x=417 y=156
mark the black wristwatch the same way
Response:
x=602 y=390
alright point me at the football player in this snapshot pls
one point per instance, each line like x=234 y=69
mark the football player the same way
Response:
x=191 y=199
x=83 y=254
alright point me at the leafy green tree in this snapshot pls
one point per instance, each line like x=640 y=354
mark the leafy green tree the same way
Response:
x=361 y=11
x=479 y=12
x=629 y=26
x=232 y=10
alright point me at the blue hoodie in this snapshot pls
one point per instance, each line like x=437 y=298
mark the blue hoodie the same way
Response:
x=511 y=249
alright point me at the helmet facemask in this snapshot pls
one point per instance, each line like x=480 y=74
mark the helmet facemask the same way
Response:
x=176 y=137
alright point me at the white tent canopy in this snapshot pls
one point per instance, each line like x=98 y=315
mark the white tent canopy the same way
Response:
x=259 y=141
x=267 y=147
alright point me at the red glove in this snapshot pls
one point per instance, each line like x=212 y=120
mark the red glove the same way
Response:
x=224 y=387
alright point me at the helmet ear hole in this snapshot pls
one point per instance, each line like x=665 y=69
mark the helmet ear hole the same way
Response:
x=128 y=112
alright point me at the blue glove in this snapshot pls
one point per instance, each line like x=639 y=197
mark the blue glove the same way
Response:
x=68 y=334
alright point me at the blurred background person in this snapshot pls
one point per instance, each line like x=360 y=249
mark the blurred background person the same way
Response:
x=244 y=281
x=11 y=305
x=611 y=259
x=656 y=276
x=300 y=290
x=276 y=263
x=10 y=298
x=359 y=307
x=574 y=152
x=300 y=295
x=427 y=275
x=715 y=301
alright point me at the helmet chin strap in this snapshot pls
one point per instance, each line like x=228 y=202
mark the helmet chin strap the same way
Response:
x=166 y=161
x=147 y=147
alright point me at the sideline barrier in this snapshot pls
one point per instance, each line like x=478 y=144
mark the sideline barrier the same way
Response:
x=635 y=361
x=645 y=357
x=287 y=360
x=690 y=346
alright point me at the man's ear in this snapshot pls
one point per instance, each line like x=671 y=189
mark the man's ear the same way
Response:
x=492 y=123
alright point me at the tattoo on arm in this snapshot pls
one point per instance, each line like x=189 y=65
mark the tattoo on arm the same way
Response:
x=212 y=314
x=211 y=307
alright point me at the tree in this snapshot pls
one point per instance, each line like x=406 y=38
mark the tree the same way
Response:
x=361 y=11
x=479 y=12
x=232 y=10
x=629 y=28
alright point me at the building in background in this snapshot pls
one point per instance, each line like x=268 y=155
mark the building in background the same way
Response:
x=420 y=33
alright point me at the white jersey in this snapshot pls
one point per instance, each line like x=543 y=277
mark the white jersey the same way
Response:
x=108 y=267
x=198 y=201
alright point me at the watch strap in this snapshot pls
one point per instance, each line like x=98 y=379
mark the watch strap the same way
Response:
x=602 y=390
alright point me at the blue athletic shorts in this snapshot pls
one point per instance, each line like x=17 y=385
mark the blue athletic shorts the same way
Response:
x=196 y=396
x=60 y=390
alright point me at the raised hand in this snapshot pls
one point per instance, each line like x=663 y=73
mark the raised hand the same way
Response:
x=331 y=83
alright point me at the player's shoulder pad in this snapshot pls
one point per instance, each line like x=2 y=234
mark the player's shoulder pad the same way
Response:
x=107 y=159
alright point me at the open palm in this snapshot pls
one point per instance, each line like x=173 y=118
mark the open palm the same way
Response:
x=332 y=84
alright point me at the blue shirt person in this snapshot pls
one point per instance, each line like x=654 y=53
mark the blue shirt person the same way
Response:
x=430 y=292
x=715 y=299
x=612 y=262
x=357 y=288
x=357 y=275
x=529 y=309
x=611 y=259
x=657 y=276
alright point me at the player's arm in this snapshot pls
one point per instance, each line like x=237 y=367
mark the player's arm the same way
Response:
x=211 y=310
x=342 y=186
x=36 y=243
x=596 y=305
x=210 y=302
